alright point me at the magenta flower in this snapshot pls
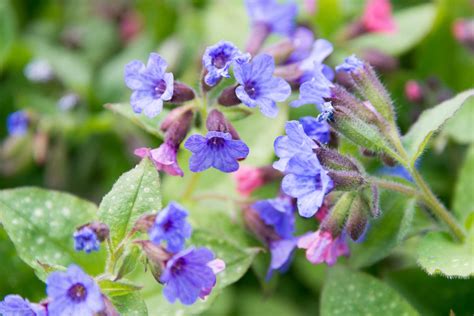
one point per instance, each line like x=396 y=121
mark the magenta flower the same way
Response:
x=378 y=16
x=321 y=247
x=248 y=179
x=164 y=158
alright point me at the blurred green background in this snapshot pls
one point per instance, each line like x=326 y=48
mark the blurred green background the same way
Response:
x=85 y=149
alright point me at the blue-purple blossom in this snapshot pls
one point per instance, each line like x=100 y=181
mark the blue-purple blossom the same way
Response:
x=321 y=49
x=316 y=129
x=73 y=292
x=18 y=123
x=277 y=213
x=302 y=40
x=296 y=142
x=351 y=64
x=190 y=274
x=258 y=87
x=277 y=17
x=171 y=226
x=281 y=252
x=217 y=60
x=217 y=150
x=151 y=85
x=85 y=239
x=68 y=101
x=315 y=90
x=39 y=70
x=308 y=182
x=15 y=305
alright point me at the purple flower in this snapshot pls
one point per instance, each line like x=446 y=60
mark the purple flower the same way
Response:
x=73 y=293
x=321 y=247
x=316 y=129
x=315 y=90
x=258 y=87
x=320 y=51
x=17 y=123
x=296 y=142
x=351 y=64
x=217 y=60
x=216 y=150
x=171 y=225
x=302 y=40
x=277 y=213
x=39 y=70
x=15 y=305
x=277 y=17
x=190 y=274
x=164 y=158
x=86 y=239
x=281 y=251
x=308 y=182
x=68 y=101
x=151 y=85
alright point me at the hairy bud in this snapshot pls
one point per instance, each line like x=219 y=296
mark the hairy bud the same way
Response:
x=258 y=35
x=358 y=217
x=346 y=180
x=228 y=97
x=336 y=219
x=381 y=61
x=331 y=159
x=280 y=51
x=182 y=93
x=156 y=255
x=254 y=223
x=101 y=230
x=216 y=121
x=144 y=223
x=178 y=130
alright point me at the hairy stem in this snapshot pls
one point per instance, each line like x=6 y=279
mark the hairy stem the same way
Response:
x=395 y=186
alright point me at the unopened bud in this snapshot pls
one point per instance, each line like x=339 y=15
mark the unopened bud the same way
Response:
x=387 y=160
x=373 y=198
x=346 y=180
x=254 y=223
x=181 y=93
x=109 y=308
x=280 y=51
x=101 y=230
x=290 y=72
x=178 y=130
x=358 y=218
x=368 y=153
x=463 y=31
x=172 y=116
x=336 y=219
x=258 y=35
x=380 y=61
x=156 y=255
x=228 y=97
x=413 y=91
x=144 y=223
x=331 y=159
x=216 y=121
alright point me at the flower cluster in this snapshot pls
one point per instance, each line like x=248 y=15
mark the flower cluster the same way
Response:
x=187 y=273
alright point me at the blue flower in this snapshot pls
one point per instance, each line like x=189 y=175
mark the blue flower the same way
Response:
x=277 y=17
x=351 y=64
x=17 y=123
x=217 y=60
x=258 y=87
x=316 y=129
x=15 y=305
x=308 y=182
x=277 y=213
x=171 y=225
x=151 y=85
x=281 y=251
x=39 y=70
x=216 y=150
x=296 y=142
x=320 y=51
x=73 y=292
x=315 y=90
x=302 y=40
x=86 y=239
x=188 y=275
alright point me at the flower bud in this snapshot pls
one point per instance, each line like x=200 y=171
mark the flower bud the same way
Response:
x=380 y=61
x=358 y=217
x=280 y=51
x=172 y=116
x=336 y=219
x=258 y=35
x=346 y=180
x=156 y=255
x=413 y=91
x=331 y=159
x=228 y=97
x=181 y=93
x=255 y=224
x=290 y=72
x=387 y=160
x=367 y=153
x=178 y=130
x=101 y=230
x=109 y=309
x=144 y=223
x=216 y=121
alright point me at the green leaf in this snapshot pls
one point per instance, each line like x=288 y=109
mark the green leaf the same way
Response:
x=413 y=24
x=131 y=304
x=438 y=254
x=386 y=232
x=117 y=288
x=429 y=122
x=463 y=195
x=41 y=224
x=135 y=193
x=353 y=293
x=7 y=30
x=150 y=125
x=458 y=126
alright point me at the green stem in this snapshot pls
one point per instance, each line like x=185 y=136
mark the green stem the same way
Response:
x=395 y=186
x=437 y=207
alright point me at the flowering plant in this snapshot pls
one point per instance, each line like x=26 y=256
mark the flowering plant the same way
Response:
x=285 y=154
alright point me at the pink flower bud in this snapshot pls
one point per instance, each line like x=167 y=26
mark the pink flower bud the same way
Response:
x=248 y=179
x=378 y=16
x=413 y=91
x=321 y=247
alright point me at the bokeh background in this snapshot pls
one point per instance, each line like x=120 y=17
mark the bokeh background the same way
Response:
x=82 y=147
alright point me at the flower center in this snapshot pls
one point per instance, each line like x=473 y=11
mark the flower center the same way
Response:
x=178 y=266
x=220 y=60
x=216 y=142
x=167 y=225
x=251 y=89
x=77 y=293
x=160 y=88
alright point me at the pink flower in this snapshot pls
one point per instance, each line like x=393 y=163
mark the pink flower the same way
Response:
x=310 y=6
x=248 y=179
x=322 y=247
x=413 y=91
x=163 y=157
x=378 y=16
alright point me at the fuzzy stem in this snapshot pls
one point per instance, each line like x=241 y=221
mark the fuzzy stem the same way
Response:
x=395 y=186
